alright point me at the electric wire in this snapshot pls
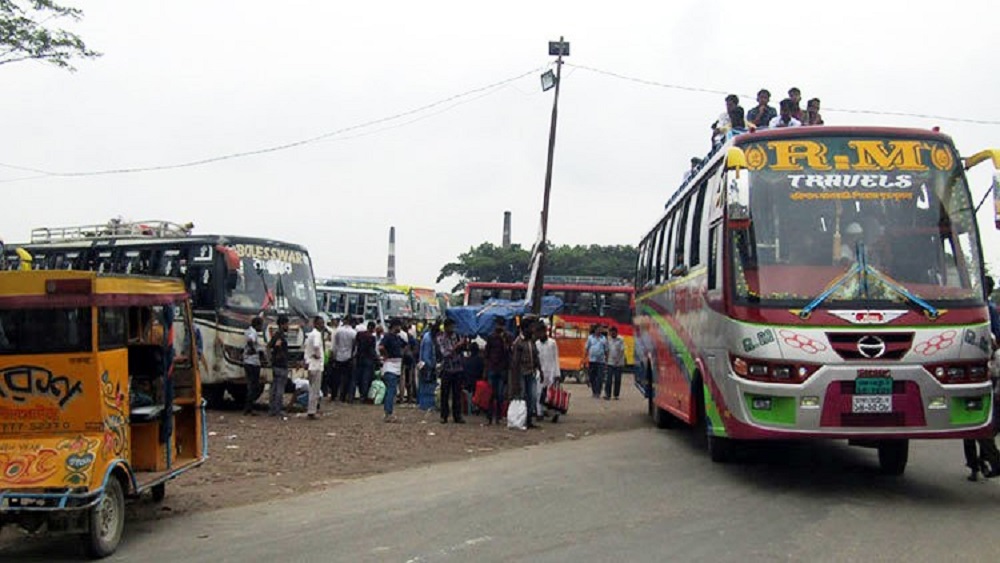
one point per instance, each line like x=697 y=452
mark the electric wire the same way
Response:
x=483 y=90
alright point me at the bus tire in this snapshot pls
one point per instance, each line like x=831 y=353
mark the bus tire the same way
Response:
x=893 y=455
x=106 y=521
x=661 y=417
x=159 y=492
x=214 y=394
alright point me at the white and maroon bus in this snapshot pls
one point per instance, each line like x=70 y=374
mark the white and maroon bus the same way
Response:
x=819 y=282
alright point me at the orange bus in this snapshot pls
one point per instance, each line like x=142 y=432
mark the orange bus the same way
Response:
x=585 y=303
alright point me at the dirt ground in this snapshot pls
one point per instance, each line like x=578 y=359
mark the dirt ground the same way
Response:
x=258 y=458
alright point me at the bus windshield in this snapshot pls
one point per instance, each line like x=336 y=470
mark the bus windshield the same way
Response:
x=45 y=331
x=274 y=284
x=872 y=221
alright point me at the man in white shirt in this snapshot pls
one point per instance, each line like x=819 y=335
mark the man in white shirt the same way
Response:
x=548 y=360
x=251 y=362
x=785 y=118
x=343 y=360
x=314 y=363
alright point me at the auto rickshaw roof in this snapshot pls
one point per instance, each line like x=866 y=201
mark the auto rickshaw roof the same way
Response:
x=70 y=288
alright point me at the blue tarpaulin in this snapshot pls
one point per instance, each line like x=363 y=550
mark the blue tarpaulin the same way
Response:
x=478 y=320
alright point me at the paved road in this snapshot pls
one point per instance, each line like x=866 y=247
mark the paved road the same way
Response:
x=644 y=495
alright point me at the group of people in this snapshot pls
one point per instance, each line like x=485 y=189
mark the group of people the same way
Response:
x=764 y=116
x=342 y=360
x=606 y=360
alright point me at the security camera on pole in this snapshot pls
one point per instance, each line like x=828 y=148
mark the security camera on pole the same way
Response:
x=537 y=276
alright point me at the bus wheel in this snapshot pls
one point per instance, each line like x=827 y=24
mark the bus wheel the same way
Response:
x=581 y=376
x=159 y=491
x=214 y=395
x=238 y=392
x=661 y=418
x=721 y=450
x=106 y=521
x=893 y=455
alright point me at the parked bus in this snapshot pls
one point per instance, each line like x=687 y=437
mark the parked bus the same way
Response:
x=586 y=302
x=424 y=305
x=343 y=300
x=816 y=282
x=231 y=279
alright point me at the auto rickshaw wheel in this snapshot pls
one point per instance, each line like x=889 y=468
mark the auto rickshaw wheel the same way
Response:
x=106 y=521
x=159 y=491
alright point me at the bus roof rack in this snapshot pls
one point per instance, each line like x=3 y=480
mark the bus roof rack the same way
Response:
x=112 y=229
x=586 y=280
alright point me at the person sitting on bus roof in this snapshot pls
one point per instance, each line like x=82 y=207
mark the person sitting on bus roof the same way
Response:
x=761 y=115
x=795 y=95
x=812 y=116
x=785 y=118
x=695 y=165
x=730 y=119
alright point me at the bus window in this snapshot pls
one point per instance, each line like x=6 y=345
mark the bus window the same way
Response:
x=112 y=327
x=44 y=331
x=666 y=252
x=696 y=224
x=679 y=258
x=586 y=304
x=506 y=294
x=658 y=252
x=618 y=307
x=354 y=305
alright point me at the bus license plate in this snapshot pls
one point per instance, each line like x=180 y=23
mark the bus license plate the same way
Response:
x=873 y=386
x=871 y=404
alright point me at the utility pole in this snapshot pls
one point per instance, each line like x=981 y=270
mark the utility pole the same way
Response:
x=558 y=48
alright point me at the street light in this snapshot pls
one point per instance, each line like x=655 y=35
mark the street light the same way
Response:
x=548 y=80
x=559 y=49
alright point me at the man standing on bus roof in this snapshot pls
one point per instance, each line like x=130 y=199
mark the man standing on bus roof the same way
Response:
x=785 y=118
x=761 y=115
x=251 y=362
x=597 y=355
x=278 y=347
x=730 y=119
x=314 y=363
x=616 y=362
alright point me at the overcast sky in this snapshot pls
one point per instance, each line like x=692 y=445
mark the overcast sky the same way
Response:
x=187 y=80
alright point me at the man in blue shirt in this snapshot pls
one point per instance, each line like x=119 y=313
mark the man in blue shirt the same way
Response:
x=427 y=378
x=597 y=357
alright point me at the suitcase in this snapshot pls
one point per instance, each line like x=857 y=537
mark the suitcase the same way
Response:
x=556 y=398
x=484 y=393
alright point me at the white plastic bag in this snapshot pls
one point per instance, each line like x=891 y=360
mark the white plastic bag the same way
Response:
x=517 y=415
x=539 y=409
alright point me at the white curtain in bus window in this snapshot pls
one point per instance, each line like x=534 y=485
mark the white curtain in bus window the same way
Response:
x=901 y=207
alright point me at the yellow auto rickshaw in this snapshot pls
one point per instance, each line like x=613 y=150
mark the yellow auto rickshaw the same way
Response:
x=100 y=398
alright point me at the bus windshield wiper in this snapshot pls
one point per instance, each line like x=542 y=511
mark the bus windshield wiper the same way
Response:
x=862 y=269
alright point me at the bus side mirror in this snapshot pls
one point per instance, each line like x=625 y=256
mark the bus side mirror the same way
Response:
x=994 y=156
x=232 y=279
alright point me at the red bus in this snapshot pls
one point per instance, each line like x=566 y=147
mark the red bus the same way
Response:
x=584 y=304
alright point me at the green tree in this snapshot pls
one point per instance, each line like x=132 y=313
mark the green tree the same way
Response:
x=488 y=262
x=24 y=35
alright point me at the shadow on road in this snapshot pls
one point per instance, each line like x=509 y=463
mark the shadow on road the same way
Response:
x=828 y=469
